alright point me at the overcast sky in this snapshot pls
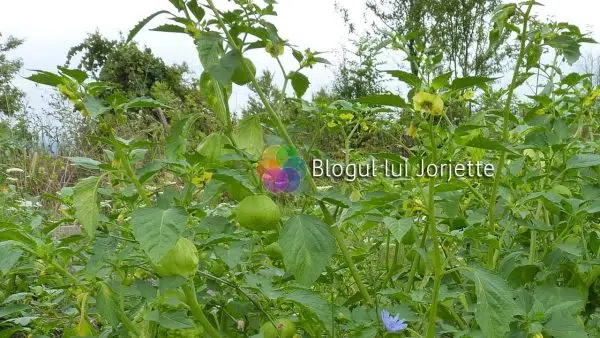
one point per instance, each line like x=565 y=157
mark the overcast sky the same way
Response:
x=51 y=27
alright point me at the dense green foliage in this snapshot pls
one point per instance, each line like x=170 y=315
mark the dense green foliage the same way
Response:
x=168 y=230
x=10 y=96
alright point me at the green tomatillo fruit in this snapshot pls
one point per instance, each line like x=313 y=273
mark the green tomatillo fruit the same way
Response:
x=244 y=75
x=284 y=328
x=258 y=212
x=274 y=251
x=181 y=260
x=410 y=237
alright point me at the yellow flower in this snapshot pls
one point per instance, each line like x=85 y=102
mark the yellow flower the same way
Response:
x=538 y=335
x=331 y=124
x=428 y=103
x=205 y=178
x=468 y=95
x=412 y=130
x=592 y=97
x=347 y=116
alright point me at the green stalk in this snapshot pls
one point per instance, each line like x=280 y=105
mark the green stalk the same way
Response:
x=192 y=301
x=282 y=129
x=129 y=170
x=437 y=264
x=339 y=238
x=128 y=323
x=533 y=240
x=392 y=268
x=505 y=132
x=415 y=263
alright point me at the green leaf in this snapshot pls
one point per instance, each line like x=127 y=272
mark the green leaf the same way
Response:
x=313 y=303
x=10 y=256
x=471 y=81
x=300 y=83
x=85 y=162
x=46 y=78
x=107 y=305
x=169 y=28
x=523 y=274
x=583 y=161
x=557 y=300
x=441 y=81
x=179 y=4
x=157 y=230
x=79 y=75
x=210 y=49
x=297 y=55
x=249 y=136
x=212 y=147
x=495 y=306
x=94 y=106
x=334 y=197
x=398 y=227
x=489 y=144
x=593 y=208
x=177 y=140
x=148 y=171
x=196 y=10
x=12 y=308
x=145 y=102
x=408 y=78
x=173 y=320
x=384 y=100
x=223 y=71
x=85 y=202
x=307 y=245
x=564 y=326
x=9 y=232
x=143 y=23
x=215 y=96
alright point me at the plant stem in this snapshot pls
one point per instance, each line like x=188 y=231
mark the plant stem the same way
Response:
x=339 y=238
x=128 y=323
x=281 y=128
x=129 y=170
x=353 y=270
x=192 y=301
x=392 y=268
x=505 y=132
x=416 y=262
x=434 y=237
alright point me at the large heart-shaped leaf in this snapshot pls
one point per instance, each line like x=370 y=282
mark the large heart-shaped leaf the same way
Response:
x=249 y=136
x=157 y=230
x=495 y=304
x=307 y=245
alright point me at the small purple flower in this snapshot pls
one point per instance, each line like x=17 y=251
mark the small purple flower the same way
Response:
x=392 y=324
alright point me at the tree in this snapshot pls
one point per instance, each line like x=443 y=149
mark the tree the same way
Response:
x=137 y=72
x=357 y=74
x=134 y=69
x=590 y=64
x=456 y=28
x=10 y=96
x=267 y=84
